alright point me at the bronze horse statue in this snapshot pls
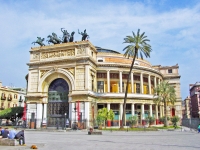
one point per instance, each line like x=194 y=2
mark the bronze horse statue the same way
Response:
x=55 y=38
x=39 y=41
x=51 y=40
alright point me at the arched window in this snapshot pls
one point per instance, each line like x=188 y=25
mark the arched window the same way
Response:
x=9 y=97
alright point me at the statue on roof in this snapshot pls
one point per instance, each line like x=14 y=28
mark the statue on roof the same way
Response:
x=71 y=39
x=84 y=35
x=51 y=39
x=66 y=36
x=55 y=38
x=39 y=41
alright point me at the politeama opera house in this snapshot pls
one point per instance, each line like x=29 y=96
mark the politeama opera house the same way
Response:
x=73 y=80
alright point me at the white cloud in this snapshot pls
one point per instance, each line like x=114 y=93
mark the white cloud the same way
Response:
x=174 y=33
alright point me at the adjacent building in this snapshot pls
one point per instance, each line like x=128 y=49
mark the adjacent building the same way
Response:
x=186 y=108
x=73 y=80
x=11 y=97
x=194 y=100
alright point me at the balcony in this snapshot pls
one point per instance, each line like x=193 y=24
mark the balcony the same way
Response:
x=9 y=99
x=2 y=108
x=3 y=98
x=20 y=100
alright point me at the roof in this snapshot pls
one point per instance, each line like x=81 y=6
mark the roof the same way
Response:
x=105 y=50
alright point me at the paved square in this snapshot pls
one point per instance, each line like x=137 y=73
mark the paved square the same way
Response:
x=121 y=140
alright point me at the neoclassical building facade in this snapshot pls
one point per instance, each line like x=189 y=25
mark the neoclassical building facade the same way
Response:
x=73 y=80
x=11 y=97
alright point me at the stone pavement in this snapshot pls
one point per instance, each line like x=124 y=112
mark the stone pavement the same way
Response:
x=184 y=139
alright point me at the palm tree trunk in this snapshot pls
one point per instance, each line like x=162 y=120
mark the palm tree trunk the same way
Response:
x=165 y=110
x=125 y=97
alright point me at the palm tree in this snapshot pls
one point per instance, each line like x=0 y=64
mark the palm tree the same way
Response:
x=164 y=93
x=138 y=45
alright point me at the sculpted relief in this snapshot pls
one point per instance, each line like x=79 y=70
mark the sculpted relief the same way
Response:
x=56 y=54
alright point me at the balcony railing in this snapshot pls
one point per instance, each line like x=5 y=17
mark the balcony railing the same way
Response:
x=20 y=100
x=3 y=98
x=9 y=98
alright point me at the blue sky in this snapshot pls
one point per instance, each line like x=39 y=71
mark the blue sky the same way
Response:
x=171 y=25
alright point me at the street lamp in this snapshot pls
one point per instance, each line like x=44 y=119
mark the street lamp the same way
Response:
x=65 y=121
x=16 y=119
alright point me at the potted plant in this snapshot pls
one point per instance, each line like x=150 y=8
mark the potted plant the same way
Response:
x=151 y=120
x=100 y=121
x=133 y=121
x=174 y=120
x=110 y=117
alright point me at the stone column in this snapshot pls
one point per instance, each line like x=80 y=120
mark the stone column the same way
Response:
x=150 y=110
x=141 y=83
x=108 y=80
x=108 y=121
x=149 y=83
x=73 y=112
x=87 y=116
x=120 y=81
x=132 y=83
x=157 y=121
x=44 y=111
x=142 y=114
x=108 y=106
x=121 y=113
x=39 y=116
x=161 y=111
x=155 y=84
x=133 y=109
x=87 y=77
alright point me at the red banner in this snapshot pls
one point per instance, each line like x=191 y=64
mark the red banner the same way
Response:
x=78 y=111
x=24 y=112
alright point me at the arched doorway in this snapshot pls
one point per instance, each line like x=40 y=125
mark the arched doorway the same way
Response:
x=57 y=103
x=173 y=112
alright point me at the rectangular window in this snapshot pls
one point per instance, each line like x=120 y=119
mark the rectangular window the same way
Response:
x=169 y=70
x=137 y=87
x=100 y=86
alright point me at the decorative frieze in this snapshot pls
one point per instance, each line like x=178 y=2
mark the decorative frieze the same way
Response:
x=56 y=54
x=36 y=56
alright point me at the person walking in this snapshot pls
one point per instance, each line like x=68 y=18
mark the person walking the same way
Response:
x=198 y=128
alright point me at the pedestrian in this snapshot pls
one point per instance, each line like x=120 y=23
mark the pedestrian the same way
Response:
x=67 y=123
x=1 y=131
x=5 y=133
x=198 y=128
x=20 y=136
x=12 y=133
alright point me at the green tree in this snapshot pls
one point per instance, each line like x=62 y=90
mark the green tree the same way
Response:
x=164 y=93
x=104 y=114
x=11 y=112
x=138 y=46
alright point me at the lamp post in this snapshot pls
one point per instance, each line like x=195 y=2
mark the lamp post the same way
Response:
x=65 y=121
x=75 y=119
x=16 y=119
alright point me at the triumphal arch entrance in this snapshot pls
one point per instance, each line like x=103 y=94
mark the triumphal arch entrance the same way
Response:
x=59 y=79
